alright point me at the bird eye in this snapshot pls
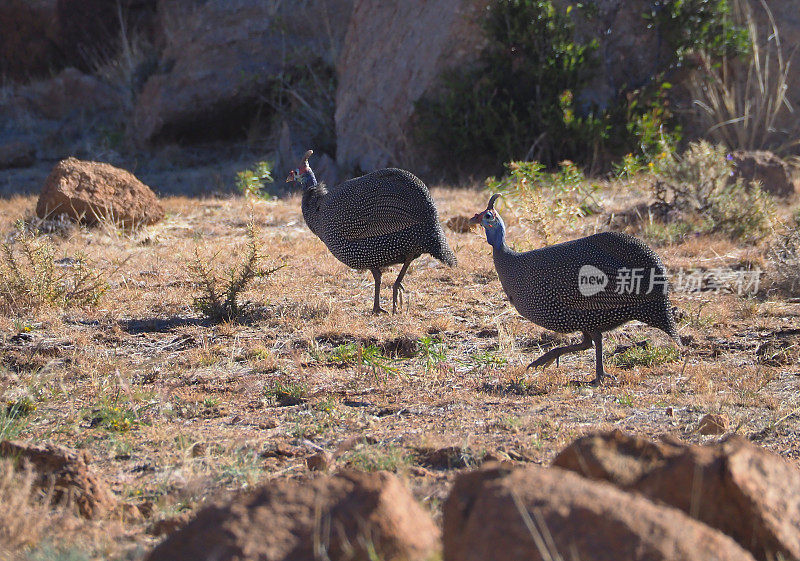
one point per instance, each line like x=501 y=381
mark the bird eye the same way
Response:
x=489 y=216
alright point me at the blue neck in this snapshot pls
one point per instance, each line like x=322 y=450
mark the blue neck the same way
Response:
x=308 y=179
x=496 y=235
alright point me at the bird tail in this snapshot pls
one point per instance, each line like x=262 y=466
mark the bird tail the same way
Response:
x=447 y=257
x=442 y=251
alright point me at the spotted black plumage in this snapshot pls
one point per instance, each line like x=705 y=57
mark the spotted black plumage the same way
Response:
x=383 y=218
x=550 y=286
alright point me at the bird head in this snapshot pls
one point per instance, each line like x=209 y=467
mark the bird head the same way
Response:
x=492 y=223
x=489 y=217
x=302 y=173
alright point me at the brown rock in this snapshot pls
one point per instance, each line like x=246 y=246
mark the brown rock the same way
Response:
x=615 y=456
x=379 y=79
x=346 y=515
x=460 y=224
x=774 y=175
x=321 y=461
x=17 y=154
x=67 y=473
x=90 y=191
x=734 y=486
x=712 y=424
x=550 y=513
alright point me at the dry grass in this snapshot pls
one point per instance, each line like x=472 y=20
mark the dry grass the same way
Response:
x=175 y=409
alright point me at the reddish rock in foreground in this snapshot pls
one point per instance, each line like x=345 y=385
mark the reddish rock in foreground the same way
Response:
x=91 y=191
x=354 y=516
x=744 y=491
x=66 y=472
x=550 y=513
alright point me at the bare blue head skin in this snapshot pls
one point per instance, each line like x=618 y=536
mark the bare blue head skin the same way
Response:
x=303 y=174
x=492 y=224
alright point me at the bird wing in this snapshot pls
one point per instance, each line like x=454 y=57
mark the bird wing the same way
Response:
x=629 y=266
x=379 y=203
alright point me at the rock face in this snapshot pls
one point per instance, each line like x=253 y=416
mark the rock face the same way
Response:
x=337 y=518
x=393 y=53
x=742 y=490
x=221 y=59
x=29 y=41
x=90 y=191
x=549 y=513
x=17 y=154
x=773 y=173
x=67 y=472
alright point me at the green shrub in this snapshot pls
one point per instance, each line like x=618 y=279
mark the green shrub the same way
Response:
x=251 y=182
x=221 y=289
x=31 y=277
x=546 y=201
x=519 y=102
x=699 y=184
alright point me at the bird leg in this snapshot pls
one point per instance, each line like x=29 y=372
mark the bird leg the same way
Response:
x=597 y=337
x=376 y=305
x=555 y=354
x=398 y=289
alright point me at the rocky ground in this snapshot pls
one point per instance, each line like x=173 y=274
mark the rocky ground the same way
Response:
x=173 y=410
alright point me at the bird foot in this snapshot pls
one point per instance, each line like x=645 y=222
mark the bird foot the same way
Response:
x=594 y=383
x=378 y=311
x=397 y=298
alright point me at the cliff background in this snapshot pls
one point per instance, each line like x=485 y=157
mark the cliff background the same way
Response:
x=186 y=92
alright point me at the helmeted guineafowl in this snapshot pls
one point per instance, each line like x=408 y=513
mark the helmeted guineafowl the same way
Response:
x=383 y=218
x=591 y=284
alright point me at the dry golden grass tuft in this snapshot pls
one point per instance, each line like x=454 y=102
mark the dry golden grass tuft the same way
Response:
x=176 y=409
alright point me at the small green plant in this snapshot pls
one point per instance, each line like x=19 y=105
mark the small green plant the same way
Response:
x=366 y=457
x=251 y=182
x=219 y=299
x=368 y=355
x=644 y=355
x=286 y=393
x=481 y=360
x=700 y=184
x=31 y=277
x=20 y=407
x=626 y=400
x=432 y=352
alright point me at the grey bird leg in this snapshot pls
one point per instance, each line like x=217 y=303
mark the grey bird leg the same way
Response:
x=598 y=350
x=398 y=289
x=555 y=354
x=376 y=306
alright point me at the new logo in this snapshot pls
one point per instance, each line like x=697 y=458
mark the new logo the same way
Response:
x=591 y=280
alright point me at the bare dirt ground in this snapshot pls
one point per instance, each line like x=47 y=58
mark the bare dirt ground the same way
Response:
x=176 y=410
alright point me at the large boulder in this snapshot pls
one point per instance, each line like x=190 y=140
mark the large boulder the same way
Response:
x=394 y=52
x=774 y=175
x=222 y=60
x=351 y=516
x=746 y=492
x=550 y=513
x=92 y=191
x=65 y=473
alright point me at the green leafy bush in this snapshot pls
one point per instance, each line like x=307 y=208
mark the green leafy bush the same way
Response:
x=521 y=100
x=251 y=182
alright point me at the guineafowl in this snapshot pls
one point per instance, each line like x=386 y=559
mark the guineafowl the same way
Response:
x=591 y=284
x=383 y=218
